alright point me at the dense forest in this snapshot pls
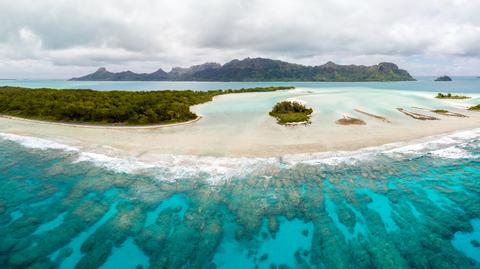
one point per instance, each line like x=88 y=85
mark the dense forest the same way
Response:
x=108 y=107
x=290 y=112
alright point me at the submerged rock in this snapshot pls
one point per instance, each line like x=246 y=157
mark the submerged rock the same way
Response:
x=416 y=116
x=346 y=120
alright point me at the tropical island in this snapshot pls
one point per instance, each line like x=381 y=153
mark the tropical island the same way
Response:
x=443 y=78
x=475 y=108
x=108 y=107
x=260 y=69
x=291 y=113
x=450 y=96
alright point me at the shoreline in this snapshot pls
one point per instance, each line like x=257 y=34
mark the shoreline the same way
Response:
x=238 y=125
x=120 y=127
x=146 y=153
x=93 y=126
x=135 y=127
x=187 y=98
x=167 y=166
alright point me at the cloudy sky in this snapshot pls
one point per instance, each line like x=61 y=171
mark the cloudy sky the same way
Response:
x=64 y=38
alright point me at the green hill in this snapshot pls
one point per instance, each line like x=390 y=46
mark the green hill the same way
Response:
x=261 y=69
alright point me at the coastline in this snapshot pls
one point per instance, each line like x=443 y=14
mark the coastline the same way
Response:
x=217 y=169
x=140 y=127
x=93 y=126
x=238 y=125
x=147 y=145
x=151 y=125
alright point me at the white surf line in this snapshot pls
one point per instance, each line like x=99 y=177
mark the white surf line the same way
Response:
x=36 y=142
x=216 y=170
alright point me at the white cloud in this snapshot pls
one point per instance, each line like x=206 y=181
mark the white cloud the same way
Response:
x=70 y=36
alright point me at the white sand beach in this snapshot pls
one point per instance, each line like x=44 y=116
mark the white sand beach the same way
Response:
x=238 y=125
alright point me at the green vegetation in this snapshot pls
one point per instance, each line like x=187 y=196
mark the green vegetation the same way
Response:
x=291 y=112
x=440 y=111
x=476 y=108
x=450 y=96
x=108 y=107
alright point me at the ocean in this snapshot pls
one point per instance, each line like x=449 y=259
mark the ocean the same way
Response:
x=459 y=84
x=390 y=206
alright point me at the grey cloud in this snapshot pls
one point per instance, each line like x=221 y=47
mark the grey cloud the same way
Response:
x=124 y=33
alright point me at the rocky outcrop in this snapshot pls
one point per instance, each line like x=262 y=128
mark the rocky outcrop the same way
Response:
x=443 y=78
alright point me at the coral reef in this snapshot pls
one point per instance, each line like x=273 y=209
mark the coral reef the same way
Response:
x=384 y=213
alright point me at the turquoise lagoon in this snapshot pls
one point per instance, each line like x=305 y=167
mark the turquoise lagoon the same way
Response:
x=415 y=206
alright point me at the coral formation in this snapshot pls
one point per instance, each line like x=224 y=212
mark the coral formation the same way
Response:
x=387 y=213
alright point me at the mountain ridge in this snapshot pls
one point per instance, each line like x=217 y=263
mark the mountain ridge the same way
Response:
x=259 y=69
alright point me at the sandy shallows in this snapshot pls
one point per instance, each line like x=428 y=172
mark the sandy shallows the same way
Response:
x=239 y=125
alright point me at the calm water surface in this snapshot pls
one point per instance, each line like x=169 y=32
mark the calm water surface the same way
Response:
x=460 y=84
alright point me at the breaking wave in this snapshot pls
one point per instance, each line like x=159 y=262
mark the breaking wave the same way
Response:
x=168 y=167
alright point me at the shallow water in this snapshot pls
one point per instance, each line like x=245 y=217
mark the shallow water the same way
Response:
x=414 y=206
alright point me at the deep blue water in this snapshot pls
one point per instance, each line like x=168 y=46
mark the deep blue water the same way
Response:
x=460 y=84
x=396 y=209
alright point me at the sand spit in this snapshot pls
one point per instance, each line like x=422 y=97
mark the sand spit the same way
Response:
x=373 y=115
x=293 y=124
x=443 y=112
x=417 y=116
x=449 y=113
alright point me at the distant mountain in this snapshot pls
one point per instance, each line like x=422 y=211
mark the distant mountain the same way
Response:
x=443 y=78
x=261 y=69
x=178 y=72
x=103 y=75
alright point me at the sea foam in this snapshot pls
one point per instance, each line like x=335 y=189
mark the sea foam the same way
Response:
x=170 y=167
x=449 y=146
x=36 y=143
